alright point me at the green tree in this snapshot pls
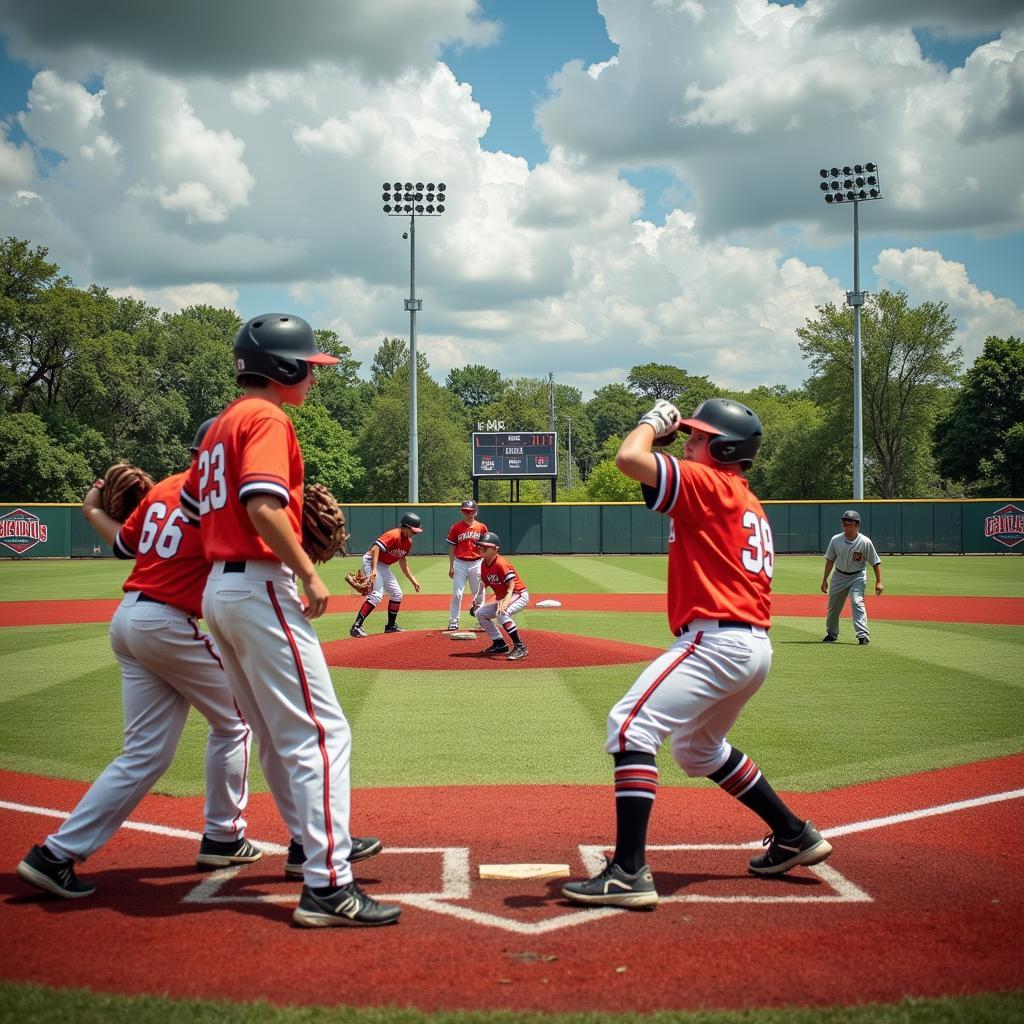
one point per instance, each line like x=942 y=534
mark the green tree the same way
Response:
x=339 y=388
x=614 y=411
x=980 y=440
x=328 y=450
x=35 y=468
x=392 y=359
x=608 y=483
x=906 y=365
x=476 y=385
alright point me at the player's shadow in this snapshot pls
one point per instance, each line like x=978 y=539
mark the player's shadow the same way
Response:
x=668 y=883
x=478 y=656
x=156 y=892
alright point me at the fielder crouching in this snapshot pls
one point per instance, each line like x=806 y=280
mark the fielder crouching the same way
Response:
x=511 y=596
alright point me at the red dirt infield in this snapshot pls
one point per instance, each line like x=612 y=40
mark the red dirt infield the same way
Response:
x=998 y=611
x=433 y=650
x=929 y=904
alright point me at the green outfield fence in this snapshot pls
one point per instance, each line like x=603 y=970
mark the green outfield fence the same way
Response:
x=977 y=526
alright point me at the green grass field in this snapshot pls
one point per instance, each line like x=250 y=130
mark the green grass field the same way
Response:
x=923 y=695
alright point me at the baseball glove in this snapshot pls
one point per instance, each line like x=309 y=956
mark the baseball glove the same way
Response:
x=359 y=582
x=122 y=488
x=323 y=524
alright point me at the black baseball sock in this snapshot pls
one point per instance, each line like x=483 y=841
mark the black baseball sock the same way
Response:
x=513 y=633
x=393 y=609
x=363 y=612
x=636 y=783
x=740 y=777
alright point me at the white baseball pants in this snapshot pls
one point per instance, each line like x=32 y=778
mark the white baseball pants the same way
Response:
x=279 y=677
x=167 y=665
x=489 y=612
x=465 y=572
x=385 y=581
x=694 y=692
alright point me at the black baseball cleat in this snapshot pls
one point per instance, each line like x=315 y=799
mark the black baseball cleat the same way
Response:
x=518 y=652
x=862 y=640
x=44 y=871
x=614 y=888
x=362 y=849
x=213 y=854
x=393 y=629
x=829 y=638
x=807 y=848
x=357 y=631
x=343 y=906
x=497 y=647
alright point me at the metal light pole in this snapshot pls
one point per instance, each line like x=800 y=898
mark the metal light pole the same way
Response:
x=856 y=184
x=414 y=201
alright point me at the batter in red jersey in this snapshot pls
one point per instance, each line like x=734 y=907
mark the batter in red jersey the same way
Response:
x=511 y=596
x=246 y=489
x=720 y=565
x=167 y=666
x=464 y=559
x=390 y=547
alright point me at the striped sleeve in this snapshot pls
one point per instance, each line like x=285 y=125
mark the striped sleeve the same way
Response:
x=189 y=497
x=509 y=577
x=254 y=485
x=379 y=542
x=662 y=497
x=120 y=548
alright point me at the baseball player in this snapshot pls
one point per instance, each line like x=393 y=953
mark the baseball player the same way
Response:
x=464 y=559
x=246 y=488
x=721 y=561
x=390 y=547
x=849 y=553
x=511 y=597
x=167 y=665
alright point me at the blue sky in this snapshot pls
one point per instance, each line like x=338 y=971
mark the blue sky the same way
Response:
x=651 y=198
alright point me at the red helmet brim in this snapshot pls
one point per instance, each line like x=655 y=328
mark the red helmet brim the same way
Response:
x=321 y=359
x=700 y=425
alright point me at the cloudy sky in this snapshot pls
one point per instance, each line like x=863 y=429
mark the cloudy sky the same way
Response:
x=629 y=180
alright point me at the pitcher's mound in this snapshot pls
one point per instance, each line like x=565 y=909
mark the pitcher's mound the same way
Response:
x=429 y=649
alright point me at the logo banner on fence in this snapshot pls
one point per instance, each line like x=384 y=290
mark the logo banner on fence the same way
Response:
x=21 y=530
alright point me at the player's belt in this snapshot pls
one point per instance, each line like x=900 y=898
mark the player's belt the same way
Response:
x=462 y=558
x=234 y=566
x=723 y=624
x=147 y=599
x=856 y=572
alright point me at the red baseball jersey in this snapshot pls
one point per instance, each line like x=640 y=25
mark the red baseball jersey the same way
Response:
x=720 y=552
x=250 y=449
x=501 y=575
x=170 y=565
x=463 y=539
x=393 y=546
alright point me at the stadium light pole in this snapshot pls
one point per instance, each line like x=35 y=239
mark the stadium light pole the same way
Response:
x=856 y=184
x=412 y=201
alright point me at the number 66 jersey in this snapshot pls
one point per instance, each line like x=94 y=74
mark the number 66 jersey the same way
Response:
x=720 y=553
x=170 y=565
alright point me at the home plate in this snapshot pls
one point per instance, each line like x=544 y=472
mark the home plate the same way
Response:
x=513 y=871
x=549 y=603
x=462 y=636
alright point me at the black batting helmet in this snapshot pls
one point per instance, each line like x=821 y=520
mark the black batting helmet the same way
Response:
x=489 y=540
x=197 y=441
x=279 y=347
x=412 y=522
x=736 y=429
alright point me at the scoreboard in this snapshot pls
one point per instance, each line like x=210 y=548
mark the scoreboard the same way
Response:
x=502 y=454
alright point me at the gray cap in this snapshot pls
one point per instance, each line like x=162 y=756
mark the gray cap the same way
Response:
x=853 y=514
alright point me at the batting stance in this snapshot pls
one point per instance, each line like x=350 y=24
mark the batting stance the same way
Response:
x=849 y=553
x=721 y=561
x=464 y=557
x=246 y=488
x=167 y=665
x=511 y=596
x=390 y=547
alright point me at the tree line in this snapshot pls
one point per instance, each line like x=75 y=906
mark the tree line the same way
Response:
x=88 y=378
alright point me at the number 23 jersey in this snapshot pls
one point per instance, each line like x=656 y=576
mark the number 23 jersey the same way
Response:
x=720 y=553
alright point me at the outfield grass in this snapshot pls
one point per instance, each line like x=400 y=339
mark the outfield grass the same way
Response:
x=991 y=576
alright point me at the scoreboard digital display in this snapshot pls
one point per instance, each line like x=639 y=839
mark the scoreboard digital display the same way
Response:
x=526 y=453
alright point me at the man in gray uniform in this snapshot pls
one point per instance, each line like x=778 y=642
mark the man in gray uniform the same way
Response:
x=850 y=553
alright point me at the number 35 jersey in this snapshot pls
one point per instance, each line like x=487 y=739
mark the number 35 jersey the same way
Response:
x=251 y=449
x=169 y=562
x=720 y=552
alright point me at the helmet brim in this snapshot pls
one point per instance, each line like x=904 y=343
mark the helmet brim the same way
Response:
x=691 y=425
x=321 y=359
